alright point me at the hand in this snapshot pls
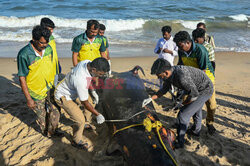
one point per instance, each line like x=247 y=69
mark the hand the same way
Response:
x=100 y=119
x=146 y=102
x=167 y=51
x=95 y=97
x=31 y=104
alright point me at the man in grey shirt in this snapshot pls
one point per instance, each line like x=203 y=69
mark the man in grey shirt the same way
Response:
x=195 y=84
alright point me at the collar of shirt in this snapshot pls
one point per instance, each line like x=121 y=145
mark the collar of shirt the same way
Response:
x=36 y=53
x=86 y=37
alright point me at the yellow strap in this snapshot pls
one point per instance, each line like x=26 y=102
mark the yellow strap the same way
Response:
x=148 y=126
x=127 y=127
x=157 y=125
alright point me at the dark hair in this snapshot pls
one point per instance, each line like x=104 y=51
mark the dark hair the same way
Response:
x=46 y=22
x=101 y=64
x=201 y=24
x=198 y=33
x=160 y=65
x=182 y=36
x=93 y=22
x=166 y=29
x=39 y=31
x=102 y=27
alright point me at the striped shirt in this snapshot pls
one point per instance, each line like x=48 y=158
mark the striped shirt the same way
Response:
x=210 y=51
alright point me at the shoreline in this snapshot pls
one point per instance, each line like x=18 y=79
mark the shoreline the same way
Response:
x=11 y=49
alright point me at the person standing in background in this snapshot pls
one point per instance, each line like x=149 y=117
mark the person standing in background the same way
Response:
x=105 y=39
x=208 y=38
x=49 y=24
x=199 y=37
x=166 y=49
x=88 y=45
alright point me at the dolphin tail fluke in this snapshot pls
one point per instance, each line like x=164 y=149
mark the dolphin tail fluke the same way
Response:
x=136 y=68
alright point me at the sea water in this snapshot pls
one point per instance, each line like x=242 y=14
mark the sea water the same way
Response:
x=130 y=22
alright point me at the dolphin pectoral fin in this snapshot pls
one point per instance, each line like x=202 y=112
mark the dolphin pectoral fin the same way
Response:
x=114 y=149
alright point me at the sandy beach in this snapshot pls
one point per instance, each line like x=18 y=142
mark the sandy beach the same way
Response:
x=22 y=144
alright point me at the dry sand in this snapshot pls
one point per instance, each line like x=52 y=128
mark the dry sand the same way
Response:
x=22 y=144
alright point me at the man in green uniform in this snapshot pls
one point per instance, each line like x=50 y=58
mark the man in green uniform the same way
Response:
x=49 y=24
x=105 y=39
x=196 y=55
x=37 y=67
x=88 y=45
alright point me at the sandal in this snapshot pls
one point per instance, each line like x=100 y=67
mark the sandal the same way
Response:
x=82 y=145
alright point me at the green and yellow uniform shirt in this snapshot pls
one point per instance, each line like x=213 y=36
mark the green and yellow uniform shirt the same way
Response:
x=197 y=58
x=106 y=44
x=87 y=50
x=39 y=71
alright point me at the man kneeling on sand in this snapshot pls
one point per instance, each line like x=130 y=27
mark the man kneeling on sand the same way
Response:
x=77 y=84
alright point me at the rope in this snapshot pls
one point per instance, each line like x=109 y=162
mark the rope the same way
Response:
x=149 y=126
x=124 y=120
x=162 y=143
x=127 y=127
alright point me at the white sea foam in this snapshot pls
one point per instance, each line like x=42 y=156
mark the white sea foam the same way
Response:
x=239 y=17
x=190 y=24
x=111 y=25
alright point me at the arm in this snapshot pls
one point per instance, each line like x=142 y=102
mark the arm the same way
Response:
x=168 y=51
x=212 y=42
x=30 y=102
x=102 y=50
x=188 y=86
x=179 y=60
x=175 y=51
x=202 y=58
x=157 y=49
x=74 y=58
x=23 y=71
x=107 y=50
x=89 y=107
x=75 y=48
x=160 y=93
x=103 y=54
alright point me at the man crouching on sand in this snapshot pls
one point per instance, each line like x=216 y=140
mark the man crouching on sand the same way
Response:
x=77 y=84
x=37 y=67
x=195 y=84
